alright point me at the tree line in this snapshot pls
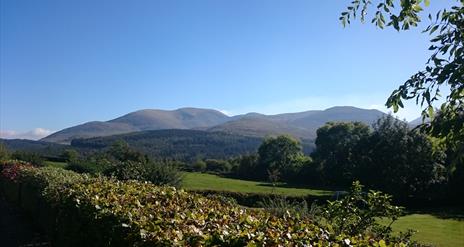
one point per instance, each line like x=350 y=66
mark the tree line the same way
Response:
x=389 y=156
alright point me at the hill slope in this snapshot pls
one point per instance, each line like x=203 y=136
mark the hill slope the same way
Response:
x=39 y=147
x=184 y=118
x=178 y=144
x=302 y=125
x=185 y=145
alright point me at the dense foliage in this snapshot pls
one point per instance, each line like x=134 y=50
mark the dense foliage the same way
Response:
x=33 y=158
x=391 y=157
x=280 y=157
x=4 y=153
x=183 y=145
x=247 y=166
x=85 y=211
x=336 y=144
x=10 y=169
x=400 y=161
x=124 y=163
x=70 y=155
x=42 y=148
x=358 y=212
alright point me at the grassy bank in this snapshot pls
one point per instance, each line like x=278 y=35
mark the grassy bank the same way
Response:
x=55 y=164
x=443 y=232
x=201 y=181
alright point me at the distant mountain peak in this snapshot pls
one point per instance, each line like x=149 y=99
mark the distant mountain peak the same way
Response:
x=349 y=108
x=300 y=124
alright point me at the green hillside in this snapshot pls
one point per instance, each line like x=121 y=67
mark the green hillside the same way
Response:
x=185 y=145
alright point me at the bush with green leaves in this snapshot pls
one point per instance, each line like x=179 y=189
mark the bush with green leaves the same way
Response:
x=4 y=153
x=127 y=170
x=91 y=167
x=199 y=166
x=280 y=206
x=358 y=212
x=51 y=181
x=256 y=200
x=164 y=216
x=247 y=166
x=97 y=211
x=124 y=163
x=33 y=158
x=163 y=173
x=70 y=155
x=218 y=166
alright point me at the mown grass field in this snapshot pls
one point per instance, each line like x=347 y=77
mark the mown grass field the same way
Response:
x=56 y=164
x=433 y=230
x=202 y=181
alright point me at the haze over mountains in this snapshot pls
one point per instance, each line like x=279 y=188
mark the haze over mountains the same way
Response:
x=302 y=125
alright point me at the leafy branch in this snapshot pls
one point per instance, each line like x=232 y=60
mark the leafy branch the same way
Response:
x=444 y=68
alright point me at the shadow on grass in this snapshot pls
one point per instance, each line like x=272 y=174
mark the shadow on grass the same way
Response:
x=300 y=186
x=454 y=213
x=329 y=189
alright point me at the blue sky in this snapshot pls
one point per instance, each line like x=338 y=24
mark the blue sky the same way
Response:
x=64 y=63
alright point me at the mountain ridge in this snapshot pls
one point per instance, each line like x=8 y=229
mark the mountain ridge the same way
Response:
x=302 y=125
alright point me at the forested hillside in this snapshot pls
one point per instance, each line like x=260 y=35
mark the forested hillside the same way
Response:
x=38 y=147
x=183 y=145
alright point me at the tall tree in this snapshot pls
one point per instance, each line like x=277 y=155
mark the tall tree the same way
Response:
x=400 y=161
x=283 y=154
x=121 y=151
x=70 y=155
x=4 y=153
x=335 y=144
x=247 y=167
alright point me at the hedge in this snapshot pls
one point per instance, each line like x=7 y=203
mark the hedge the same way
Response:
x=254 y=199
x=77 y=210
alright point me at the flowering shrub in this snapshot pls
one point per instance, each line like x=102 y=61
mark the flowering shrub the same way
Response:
x=11 y=169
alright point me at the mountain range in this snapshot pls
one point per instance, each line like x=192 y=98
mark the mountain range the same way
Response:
x=302 y=125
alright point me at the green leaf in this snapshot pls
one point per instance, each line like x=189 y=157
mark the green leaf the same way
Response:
x=400 y=103
x=430 y=111
x=382 y=243
x=434 y=28
x=417 y=8
x=427 y=3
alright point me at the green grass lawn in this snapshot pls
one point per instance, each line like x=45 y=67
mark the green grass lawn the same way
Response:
x=430 y=229
x=202 y=181
x=56 y=164
x=433 y=230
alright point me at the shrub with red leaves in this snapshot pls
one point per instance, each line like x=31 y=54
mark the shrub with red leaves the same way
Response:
x=11 y=169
